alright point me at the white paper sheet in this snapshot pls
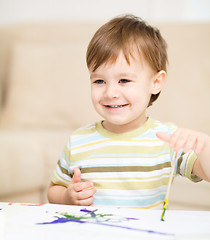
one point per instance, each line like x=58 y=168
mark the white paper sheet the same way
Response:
x=58 y=221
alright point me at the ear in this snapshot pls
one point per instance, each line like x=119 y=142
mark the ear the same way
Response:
x=158 y=82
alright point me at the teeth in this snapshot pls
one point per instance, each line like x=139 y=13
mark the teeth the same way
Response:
x=115 y=106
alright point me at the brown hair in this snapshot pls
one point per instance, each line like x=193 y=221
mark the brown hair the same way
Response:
x=127 y=33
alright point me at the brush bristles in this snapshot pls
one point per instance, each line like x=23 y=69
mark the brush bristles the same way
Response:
x=163 y=213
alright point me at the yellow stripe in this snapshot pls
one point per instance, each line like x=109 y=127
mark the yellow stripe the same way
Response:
x=56 y=181
x=107 y=157
x=117 y=149
x=132 y=185
x=141 y=140
x=90 y=144
x=113 y=140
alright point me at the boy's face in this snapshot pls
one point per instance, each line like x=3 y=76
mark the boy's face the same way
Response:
x=121 y=92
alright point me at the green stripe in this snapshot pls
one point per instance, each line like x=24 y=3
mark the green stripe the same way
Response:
x=63 y=170
x=190 y=168
x=179 y=163
x=126 y=168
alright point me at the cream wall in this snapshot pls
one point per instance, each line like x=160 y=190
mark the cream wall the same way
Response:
x=16 y=11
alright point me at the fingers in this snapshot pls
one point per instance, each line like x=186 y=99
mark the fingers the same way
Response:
x=78 y=187
x=77 y=175
x=184 y=139
x=178 y=140
x=85 y=202
x=188 y=143
x=164 y=136
x=199 y=145
x=76 y=182
x=80 y=193
x=85 y=194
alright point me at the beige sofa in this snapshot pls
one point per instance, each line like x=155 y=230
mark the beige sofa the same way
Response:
x=45 y=95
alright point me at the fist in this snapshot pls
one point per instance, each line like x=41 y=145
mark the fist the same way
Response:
x=80 y=193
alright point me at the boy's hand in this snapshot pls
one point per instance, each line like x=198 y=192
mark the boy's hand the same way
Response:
x=79 y=193
x=185 y=139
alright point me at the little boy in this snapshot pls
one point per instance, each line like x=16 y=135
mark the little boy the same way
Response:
x=125 y=160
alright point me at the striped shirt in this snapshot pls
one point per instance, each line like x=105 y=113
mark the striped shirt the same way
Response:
x=128 y=170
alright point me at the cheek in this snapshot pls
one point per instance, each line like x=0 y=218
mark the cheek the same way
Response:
x=95 y=95
x=140 y=97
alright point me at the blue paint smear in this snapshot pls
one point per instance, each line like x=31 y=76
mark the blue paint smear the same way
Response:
x=64 y=220
x=92 y=213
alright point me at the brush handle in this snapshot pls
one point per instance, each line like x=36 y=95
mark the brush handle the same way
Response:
x=169 y=186
x=171 y=175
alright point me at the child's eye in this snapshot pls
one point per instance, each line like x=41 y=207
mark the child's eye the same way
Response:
x=99 y=81
x=124 y=81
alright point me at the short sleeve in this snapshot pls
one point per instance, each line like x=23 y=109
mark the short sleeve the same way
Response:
x=185 y=165
x=186 y=161
x=61 y=174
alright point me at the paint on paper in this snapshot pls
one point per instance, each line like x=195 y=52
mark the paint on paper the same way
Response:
x=92 y=217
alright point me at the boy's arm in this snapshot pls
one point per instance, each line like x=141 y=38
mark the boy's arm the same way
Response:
x=56 y=194
x=201 y=167
x=77 y=193
x=187 y=140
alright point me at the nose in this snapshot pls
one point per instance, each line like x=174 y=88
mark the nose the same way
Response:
x=112 y=91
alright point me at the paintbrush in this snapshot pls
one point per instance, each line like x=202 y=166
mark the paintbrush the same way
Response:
x=169 y=186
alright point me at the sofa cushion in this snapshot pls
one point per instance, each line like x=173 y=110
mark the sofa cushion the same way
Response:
x=27 y=161
x=22 y=162
x=48 y=87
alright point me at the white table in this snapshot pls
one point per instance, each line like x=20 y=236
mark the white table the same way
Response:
x=51 y=221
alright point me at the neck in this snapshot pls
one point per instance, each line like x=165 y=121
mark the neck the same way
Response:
x=115 y=128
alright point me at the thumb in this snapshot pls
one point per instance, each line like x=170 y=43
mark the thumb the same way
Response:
x=77 y=175
x=164 y=136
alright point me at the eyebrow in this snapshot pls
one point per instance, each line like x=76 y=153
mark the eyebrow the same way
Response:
x=94 y=75
x=127 y=74
x=122 y=74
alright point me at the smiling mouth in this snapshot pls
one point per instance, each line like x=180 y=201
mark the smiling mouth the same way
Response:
x=116 y=106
